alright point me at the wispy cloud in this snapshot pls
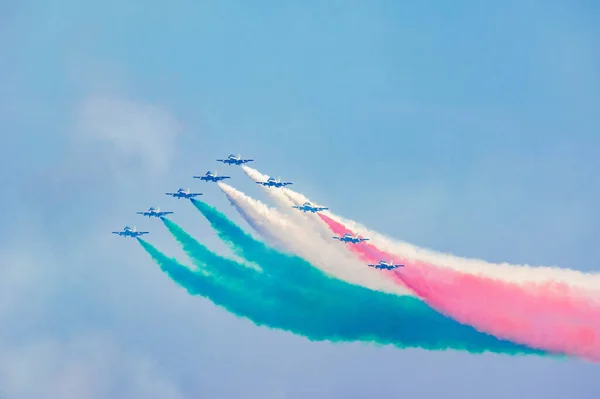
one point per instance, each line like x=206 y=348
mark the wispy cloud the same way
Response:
x=113 y=147
x=133 y=131
x=59 y=303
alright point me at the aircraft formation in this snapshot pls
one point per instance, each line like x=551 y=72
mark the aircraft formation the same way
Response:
x=214 y=177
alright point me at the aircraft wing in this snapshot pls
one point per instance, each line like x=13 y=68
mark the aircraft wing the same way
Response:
x=261 y=182
x=141 y=233
x=164 y=213
x=141 y=213
x=287 y=184
x=247 y=160
x=116 y=232
x=195 y=194
x=173 y=194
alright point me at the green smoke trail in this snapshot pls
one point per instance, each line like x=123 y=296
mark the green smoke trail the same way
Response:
x=251 y=279
x=234 y=297
x=358 y=313
x=274 y=262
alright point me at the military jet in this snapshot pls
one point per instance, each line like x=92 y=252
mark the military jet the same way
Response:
x=233 y=160
x=350 y=238
x=383 y=265
x=130 y=232
x=308 y=207
x=154 y=212
x=212 y=177
x=181 y=193
x=271 y=182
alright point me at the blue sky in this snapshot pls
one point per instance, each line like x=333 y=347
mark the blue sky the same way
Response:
x=469 y=128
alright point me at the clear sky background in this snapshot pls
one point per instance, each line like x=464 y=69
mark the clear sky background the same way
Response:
x=465 y=127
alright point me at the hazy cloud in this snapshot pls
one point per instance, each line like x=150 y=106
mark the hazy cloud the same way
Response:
x=134 y=131
x=86 y=366
x=58 y=301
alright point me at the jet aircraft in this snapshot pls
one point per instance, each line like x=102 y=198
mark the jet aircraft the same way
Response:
x=154 y=212
x=210 y=176
x=350 y=238
x=233 y=160
x=181 y=193
x=308 y=207
x=130 y=232
x=383 y=265
x=271 y=182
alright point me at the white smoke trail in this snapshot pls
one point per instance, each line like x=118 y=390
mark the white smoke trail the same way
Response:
x=286 y=202
x=307 y=243
x=275 y=193
x=310 y=223
x=503 y=271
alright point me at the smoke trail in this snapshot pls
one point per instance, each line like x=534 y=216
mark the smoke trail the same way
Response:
x=237 y=299
x=306 y=226
x=562 y=298
x=314 y=322
x=508 y=272
x=309 y=223
x=275 y=193
x=505 y=271
x=355 y=312
x=250 y=278
x=203 y=257
x=245 y=246
x=557 y=299
x=565 y=309
x=545 y=316
x=539 y=284
x=306 y=244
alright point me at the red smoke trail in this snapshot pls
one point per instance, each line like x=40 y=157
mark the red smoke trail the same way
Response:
x=550 y=316
x=365 y=253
